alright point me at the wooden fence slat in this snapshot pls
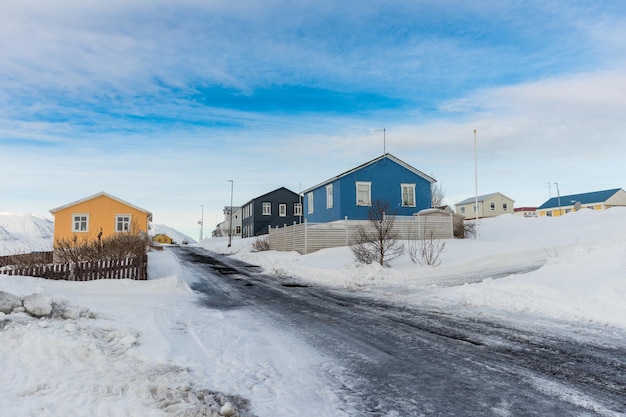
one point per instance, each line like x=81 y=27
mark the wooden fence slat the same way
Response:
x=128 y=268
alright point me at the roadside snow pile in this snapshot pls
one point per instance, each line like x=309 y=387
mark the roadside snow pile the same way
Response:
x=40 y=305
x=52 y=352
x=569 y=267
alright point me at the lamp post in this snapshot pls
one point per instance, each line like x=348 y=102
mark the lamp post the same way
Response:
x=201 y=222
x=384 y=139
x=475 y=183
x=558 y=193
x=230 y=232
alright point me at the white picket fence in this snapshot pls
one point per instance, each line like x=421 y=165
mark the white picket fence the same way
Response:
x=310 y=237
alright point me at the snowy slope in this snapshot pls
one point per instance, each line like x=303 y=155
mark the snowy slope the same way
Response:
x=178 y=237
x=20 y=233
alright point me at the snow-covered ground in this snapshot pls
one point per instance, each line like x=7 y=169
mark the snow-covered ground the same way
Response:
x=124 y=348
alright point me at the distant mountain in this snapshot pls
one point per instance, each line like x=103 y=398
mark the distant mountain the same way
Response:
x=24 y=233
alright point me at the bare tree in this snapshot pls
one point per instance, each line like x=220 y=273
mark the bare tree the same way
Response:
x=424 y=248
x=437 y=194
x=377 y=241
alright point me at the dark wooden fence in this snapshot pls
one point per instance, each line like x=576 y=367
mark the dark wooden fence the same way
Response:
x=130 y=268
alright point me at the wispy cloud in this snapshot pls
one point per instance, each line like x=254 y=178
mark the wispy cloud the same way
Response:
x=161 y=96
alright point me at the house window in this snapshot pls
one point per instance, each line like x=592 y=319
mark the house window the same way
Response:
x=408 y=195
x=329 y=196
x=80 y=223
x=463 y=209
x=282 y=210
x=310 y=202
x=363 y=194
x=122 y=223
x=493 y=206
x=297 y=209
x=475 y=207
x=237 y=230
x=505 y=207
x=267 y=209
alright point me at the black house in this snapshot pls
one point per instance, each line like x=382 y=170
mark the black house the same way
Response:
x=276 y=209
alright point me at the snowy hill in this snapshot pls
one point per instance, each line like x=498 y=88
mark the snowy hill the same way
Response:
x=178 y=237
x=21 y=233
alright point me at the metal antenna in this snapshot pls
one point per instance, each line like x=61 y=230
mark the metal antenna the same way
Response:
x=384 y=139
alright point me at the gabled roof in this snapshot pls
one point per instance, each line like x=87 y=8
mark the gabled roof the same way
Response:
x=481 y=198
x=373 y=161
x=100 y=194
x=584 y=198
x=266 y=194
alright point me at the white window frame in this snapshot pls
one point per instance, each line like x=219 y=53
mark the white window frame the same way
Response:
x=310 y=202
x=297 y=209
x=282 y=210
x=124 y=220
x=83 y=218
x=462 y=209
x=329 y=196
x=493 y=206
x=267 y=208
x=505 y=206
x=367 y=200
x=409 y=191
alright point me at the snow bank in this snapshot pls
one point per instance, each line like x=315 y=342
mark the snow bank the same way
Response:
x=570 y=267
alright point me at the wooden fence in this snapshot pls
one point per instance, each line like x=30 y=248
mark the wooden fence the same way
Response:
x=310 y=237
x=130 y=268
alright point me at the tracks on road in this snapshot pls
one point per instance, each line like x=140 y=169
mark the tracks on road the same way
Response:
x=411 y=361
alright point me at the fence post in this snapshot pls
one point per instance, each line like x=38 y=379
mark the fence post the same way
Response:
x=347 y=232
x=306 y=236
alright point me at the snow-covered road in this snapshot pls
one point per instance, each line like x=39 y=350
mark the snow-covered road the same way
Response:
x=398 y=360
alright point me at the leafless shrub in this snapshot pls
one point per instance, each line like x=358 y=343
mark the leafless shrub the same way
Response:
x=377 y=241
x=261 y=243
x=470 y=229
x=118 y=246
x=424 y=248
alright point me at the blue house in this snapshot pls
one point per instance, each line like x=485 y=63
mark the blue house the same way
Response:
x=386 y=178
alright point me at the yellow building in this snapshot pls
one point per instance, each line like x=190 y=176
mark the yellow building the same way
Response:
x=596 y=200
x=99 y=216
x=163 y=239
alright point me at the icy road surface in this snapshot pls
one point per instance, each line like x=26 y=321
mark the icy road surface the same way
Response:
x=397 y=360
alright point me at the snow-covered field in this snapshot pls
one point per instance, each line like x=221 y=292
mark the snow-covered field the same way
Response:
x=123 y=348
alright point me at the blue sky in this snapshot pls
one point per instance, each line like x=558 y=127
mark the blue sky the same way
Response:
x=161 y=102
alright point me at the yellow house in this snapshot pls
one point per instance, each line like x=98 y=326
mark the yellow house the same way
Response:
x=163 y=239
x=595 y=200
x=99 y=215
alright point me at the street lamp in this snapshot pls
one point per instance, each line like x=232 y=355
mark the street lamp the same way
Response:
x=230 y=233
x=476 y=183
x=201 y=222
x=558 y=193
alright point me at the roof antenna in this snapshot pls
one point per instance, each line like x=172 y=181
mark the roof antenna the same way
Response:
x=384 y=140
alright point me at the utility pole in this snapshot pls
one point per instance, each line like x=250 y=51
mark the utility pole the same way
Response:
x=230 y=232
x=201 y=222
x=558 y=193
x=476 y=182
x=384 y=139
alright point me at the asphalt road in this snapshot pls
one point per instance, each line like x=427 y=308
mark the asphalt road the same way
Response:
x=407 y=361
